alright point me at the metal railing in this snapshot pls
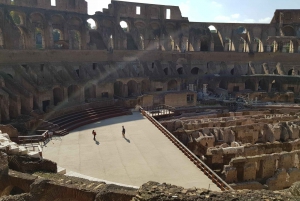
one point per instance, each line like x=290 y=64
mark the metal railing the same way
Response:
x=200 y=164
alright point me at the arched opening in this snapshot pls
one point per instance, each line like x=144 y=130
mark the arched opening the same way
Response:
x=232 y=71
x=118 y=89
x=10 y=76
x=275 y=72
x=291 y=72
x=274 y=46
x=16 y=17
x=166 y=71
x=212 y=29
x=204 y=46
x=263 y=85
x=241 y=30
x=223 y=84
x=172 y=85
x=132 y=88
x=91 y=24
x=74 y=40
x=124 y=26
x=57 y=96
x=195 y=71
x=180 y=71
x=250 y=85
x=258 y=45
x=58 y=40
x=275 y=86
x=1 y=40
x=73 y=93
x=288 y=31
x=39 y=41
x=145 y=86
x=90 y=92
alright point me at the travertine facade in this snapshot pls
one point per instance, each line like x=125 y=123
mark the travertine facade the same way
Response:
x=59 y=60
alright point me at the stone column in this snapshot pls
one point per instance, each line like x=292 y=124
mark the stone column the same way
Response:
x=205 y=89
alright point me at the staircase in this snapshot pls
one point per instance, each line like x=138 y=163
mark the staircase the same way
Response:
x=74 y=120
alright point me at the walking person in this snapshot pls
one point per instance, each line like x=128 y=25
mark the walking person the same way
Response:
x=94 y=133
x=123 y=131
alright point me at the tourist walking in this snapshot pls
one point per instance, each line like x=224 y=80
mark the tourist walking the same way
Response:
x=123 y=131
x=94 y=133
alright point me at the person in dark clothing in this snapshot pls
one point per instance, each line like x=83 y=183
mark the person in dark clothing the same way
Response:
x=123 y=131
x=94 y=133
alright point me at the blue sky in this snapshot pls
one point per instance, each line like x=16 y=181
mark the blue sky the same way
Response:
x=254 y=11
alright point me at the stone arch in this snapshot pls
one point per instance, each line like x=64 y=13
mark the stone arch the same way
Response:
x=132 y=88
x=223 y=84
x=195 y=71
x=232 y=71
x=212 y=29
x=74 y=40
x=125 y=26
x=75 y=21
x=57 y=19
x=37 y=19
x=241 y=30
x=18 y=17
x=291 y=72
x=288 y=31
x=146 y=86
x=57 y=95
x=119 y=89
x=58 y=39
x=243 y=45
x=92 y=24
x=39 y=39
x=172 y=85
x=180 y=70
x=166 y=71
x=263 y=85
x=73 y=93
x=90 y=91
x=276 y=86
x=249 y=84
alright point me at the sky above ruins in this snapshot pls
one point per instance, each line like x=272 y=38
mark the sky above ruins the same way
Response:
x=255 y=11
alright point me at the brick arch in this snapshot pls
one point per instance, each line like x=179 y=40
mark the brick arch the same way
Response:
x=37 y=17
x=75 y=21
x=172 y=85
x=132 y=88
x=73 y=92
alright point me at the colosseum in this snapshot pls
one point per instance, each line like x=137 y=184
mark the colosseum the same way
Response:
x=224 y=95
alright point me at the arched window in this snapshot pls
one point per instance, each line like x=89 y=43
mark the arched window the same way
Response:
x=288 y=31
x=39 y=41
x=91 y=24
x=124 y=26
x=212 y=29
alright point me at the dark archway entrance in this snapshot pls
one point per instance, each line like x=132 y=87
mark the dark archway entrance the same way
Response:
x=57 y=96
x=172 y=85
